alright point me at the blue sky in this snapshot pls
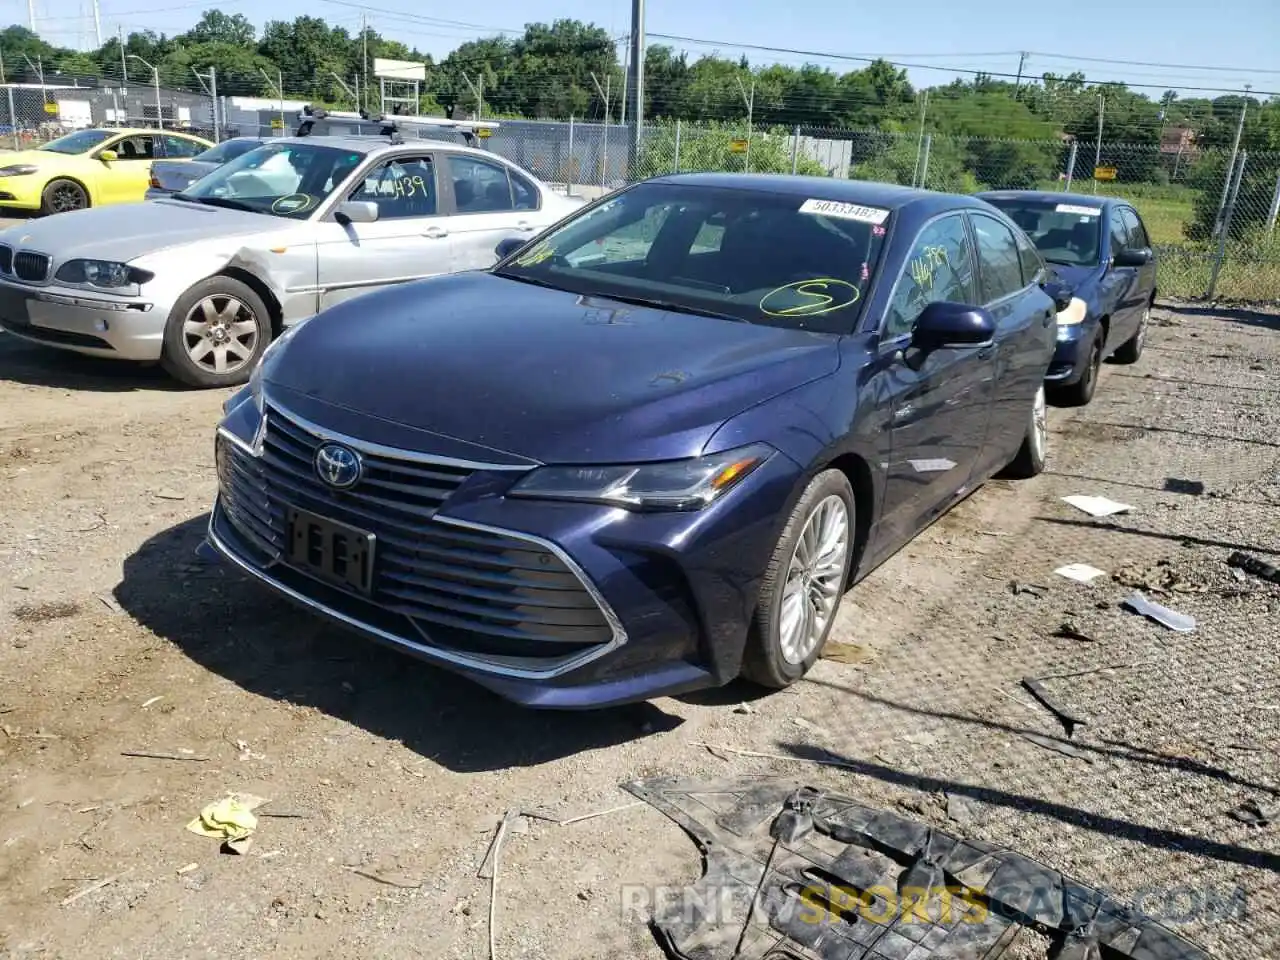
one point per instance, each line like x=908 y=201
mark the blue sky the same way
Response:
x=1238 y=36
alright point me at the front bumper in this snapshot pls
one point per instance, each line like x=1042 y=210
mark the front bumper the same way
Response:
x=1071 y=355
x=22 y=193
x=556 y=605
x=126 y=328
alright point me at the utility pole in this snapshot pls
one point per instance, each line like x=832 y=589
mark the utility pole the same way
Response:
x=1097 y=147
x=31 y=15
x=924 y=109
x=97 y=23
x=477 y=92
x=604 y=95
x=124 y=63
x=637 y=80
x=1017 y=84
x=364 y=56
x=750 y=100
x=1235 y=151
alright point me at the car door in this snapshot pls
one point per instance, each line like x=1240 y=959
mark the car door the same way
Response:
x=938 y=402
x=125 y=179
x=1145 y=287
x=485 y=209
x=408 y=241
x=1008 y=289
x=1118 y=284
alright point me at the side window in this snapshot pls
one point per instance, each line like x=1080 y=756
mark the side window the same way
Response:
x=999 y=260
x=140 y=147
x=1032 y=264
x=479 y=186
x=181 y=147
x=1136 y=231
x=939 y=268
x=1119 y=232
x=401 y=187
x=525 y=193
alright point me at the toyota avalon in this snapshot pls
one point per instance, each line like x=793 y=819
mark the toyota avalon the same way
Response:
x=649 y=450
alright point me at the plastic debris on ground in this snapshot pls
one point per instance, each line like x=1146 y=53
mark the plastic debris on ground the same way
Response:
x=1181 y=622
x=230 y=819
x=1097 y=506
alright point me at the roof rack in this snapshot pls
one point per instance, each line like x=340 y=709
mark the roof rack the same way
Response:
x=394 y=125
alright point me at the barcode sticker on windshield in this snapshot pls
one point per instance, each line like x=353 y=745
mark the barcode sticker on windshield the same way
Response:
x=1081 y=211
x=846 y=211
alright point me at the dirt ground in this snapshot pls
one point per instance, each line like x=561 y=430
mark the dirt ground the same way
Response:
x=113 y=638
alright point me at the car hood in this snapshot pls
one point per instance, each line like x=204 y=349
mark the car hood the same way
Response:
x=177 y=174
x=126 y=231
x=38 y=158
x=537 y=373
x=1074 y=277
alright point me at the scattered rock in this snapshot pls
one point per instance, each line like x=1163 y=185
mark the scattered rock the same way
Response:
x=960 y=809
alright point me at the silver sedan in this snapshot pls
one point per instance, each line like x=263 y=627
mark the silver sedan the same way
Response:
x=204 y=280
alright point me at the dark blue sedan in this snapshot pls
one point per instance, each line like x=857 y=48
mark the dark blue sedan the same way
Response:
x=650 y=449
x=1099 y=252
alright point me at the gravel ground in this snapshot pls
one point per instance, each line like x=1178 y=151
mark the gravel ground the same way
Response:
x=113 y=638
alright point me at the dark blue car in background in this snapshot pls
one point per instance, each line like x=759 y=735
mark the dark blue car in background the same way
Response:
x=648 y=451
x=1099 y=250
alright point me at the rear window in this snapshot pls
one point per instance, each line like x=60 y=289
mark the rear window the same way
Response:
x=1066 y=232
x=744 y=254
x=228 y=150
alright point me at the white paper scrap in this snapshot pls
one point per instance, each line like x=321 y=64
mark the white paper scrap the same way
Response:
x=846 y=211
x=1080 y=572
x=1097 y=506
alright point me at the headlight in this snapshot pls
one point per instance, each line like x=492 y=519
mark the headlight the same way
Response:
x=1075 y=313
x=18 y=170
x=671 y=485
x=102 y=273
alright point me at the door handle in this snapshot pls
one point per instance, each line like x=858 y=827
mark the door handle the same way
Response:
x=524 y=226
x=435 y=233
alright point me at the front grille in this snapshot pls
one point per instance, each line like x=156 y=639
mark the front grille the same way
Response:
x=6 y=258
x=472 y=591
x=32 y=267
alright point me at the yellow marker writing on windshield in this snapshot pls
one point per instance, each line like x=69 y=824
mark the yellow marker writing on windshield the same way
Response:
x=820 y=295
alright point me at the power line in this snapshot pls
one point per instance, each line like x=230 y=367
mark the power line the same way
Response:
x=1148 y=63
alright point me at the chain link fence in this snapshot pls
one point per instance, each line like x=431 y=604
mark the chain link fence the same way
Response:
x=1211 y=216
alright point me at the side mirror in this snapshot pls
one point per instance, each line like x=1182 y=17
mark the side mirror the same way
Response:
x=356 y=211
x=943 y=325
x=106 y=156
x=1139 y=257
x=508 y=246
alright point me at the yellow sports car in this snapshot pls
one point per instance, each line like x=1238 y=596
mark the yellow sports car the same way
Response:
x=90 y=168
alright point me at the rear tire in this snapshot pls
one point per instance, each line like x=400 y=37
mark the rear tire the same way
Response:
x=803 y=584
x=216 y=333
x=1031 y=455
x=1131 y=350
x=1082 y=391
x=63 y=196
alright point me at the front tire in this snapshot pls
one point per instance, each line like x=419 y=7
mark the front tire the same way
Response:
x=1081 y=392
x=1131 y=350
x=63 y=196
x=1035 y=443
x=803 y=584
x=216 y=333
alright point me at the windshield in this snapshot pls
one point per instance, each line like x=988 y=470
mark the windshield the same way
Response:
x=227 y=150
x=744 y=254
x=1067 y=233
x=81 y=141
x=287 y=179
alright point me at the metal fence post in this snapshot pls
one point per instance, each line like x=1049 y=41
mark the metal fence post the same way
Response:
x=13 y=117
x=1071 y=164
x=924 y=159
x=1227 y=214
x=571 y=166
x=795 y=149
x=675 y=166
x=1274 y=211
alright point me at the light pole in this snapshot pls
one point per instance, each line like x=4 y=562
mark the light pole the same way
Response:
x=155 y=76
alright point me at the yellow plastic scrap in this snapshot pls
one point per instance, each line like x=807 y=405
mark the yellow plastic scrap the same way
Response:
x=231 y=818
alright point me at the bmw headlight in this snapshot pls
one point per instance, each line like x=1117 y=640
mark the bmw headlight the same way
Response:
x=670 y=485
x=18 y=170
x=102 y=273
x=1075 y=313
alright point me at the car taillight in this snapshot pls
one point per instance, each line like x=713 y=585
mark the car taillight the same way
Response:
x=155 y=181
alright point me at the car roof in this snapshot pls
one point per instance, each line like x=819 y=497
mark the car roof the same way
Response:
x=865 y=192
x=1052 y=196
x=378 y=144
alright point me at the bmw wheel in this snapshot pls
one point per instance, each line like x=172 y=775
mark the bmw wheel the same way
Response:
x=1131 y=350
x=803 y=584
x=216 y=332
x=63 y=196
x=1035 y=443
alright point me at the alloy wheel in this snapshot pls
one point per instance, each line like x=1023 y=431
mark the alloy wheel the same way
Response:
x=66 y=197
x=814 y=580
x=220 y=334
x=1039 y=425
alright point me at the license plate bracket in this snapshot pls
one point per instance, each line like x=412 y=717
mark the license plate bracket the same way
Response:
x=331 y=551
